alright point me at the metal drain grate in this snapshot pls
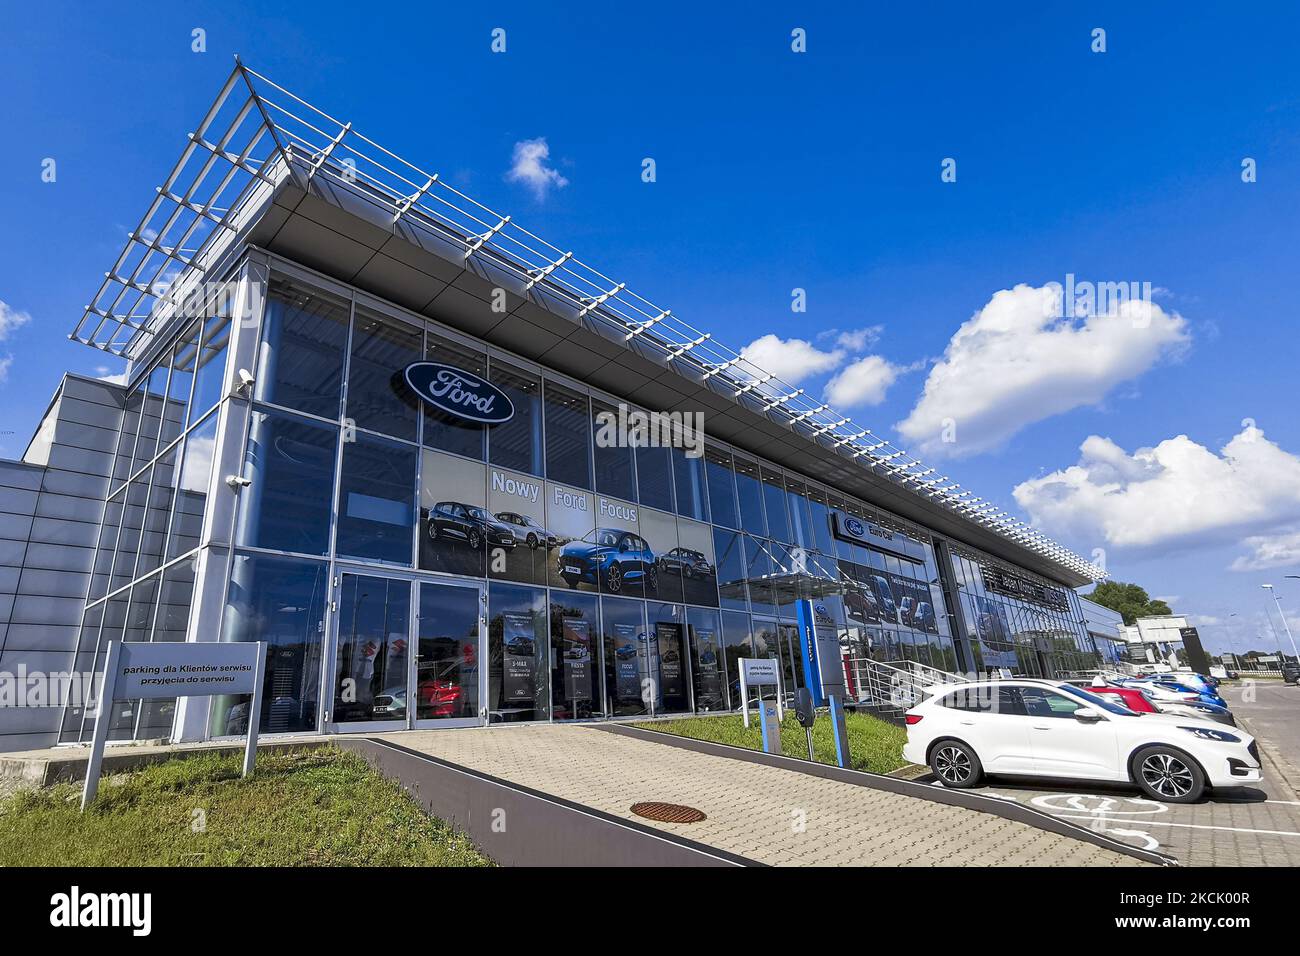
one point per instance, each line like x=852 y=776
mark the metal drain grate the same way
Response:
x=667 y=812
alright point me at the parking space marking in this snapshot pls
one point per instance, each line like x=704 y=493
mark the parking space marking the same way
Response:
x=1198 y=826
x=1105 y=806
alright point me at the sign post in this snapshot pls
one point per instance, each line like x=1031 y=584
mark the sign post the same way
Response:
x=763 y=672
x=140 y=671
x=824 y=670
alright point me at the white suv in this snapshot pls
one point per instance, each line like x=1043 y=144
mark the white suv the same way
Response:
x=1047 y=729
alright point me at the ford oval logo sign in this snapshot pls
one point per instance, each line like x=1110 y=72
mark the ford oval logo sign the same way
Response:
x=457 y=392
x=855 y=527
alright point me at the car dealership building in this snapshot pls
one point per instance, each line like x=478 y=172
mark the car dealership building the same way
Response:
x=371 y=422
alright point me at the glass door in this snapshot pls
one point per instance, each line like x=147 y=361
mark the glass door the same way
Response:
x=446 y=675
x=370 y=664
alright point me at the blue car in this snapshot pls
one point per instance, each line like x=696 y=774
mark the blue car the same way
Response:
x=1194 y=683
x=609 y=558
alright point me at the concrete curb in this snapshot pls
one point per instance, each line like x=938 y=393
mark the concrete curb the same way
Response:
x=862 y=778
x=540 y=829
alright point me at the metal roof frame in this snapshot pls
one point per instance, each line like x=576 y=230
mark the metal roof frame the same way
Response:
x=257 y=134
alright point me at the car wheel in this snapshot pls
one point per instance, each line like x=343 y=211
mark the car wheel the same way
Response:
x=1168 y=775
x=613 y=579
x=532 y=542
x=475 y=541
x=433 y=531
x=955 y=764
x=654 y=578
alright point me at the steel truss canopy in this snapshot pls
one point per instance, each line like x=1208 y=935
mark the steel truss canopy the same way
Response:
x=257 y=140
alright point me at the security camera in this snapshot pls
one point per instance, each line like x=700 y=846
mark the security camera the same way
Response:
x=246 y=380
x=238 y=481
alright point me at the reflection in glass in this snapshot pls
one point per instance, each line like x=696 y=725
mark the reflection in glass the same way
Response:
x=447 y=658
x=690 y=480
x=749 y=491
x=517 y=443
x=568 y=437
x=379 y=399
x=736 y=643
x=722 y=488
x=707 y=672
x=376 y=513
x=450 y=432
x=576 y=675
x=291 y=469
x=778 y=518
x=627 y=666
x=729 y=548
x=211 y=367
x=192 y=487
x=668 y=666
x=615 y=474
x=370 y=656
x=300 y=364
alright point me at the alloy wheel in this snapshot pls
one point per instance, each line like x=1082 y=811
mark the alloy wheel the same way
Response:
x=952 y=764
x=1167 y=775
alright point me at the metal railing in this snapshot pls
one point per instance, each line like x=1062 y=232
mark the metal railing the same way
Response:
x=257 y=134
x=892 y=687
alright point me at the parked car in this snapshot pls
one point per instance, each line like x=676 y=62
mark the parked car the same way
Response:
x=1291 y=673
x=885 y=597
x=923 y=618
x=527 y=530
x=1159 y=681
x=468 y=523
x=609 y=558
x=1044 y=729
x=861 y=604
x=687 y=562
x=1135 y=699
x=905 y=608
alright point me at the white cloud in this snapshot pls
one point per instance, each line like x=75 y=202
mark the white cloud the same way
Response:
x=863 y=382
x=1177 y=492
x=4 y=368
x=529 y=167
x=1017 y=361
x=791 y=360
x=853 y=340
x=105 y=374
x=11 y=319
x=1269 y=551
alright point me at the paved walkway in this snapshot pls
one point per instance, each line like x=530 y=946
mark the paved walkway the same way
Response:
x=768 y=814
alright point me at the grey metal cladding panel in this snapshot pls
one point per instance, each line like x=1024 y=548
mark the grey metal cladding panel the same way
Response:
x=522 y=337
x=655 y=396
x=52 y=583
x=24 y=722
x=573 y=359
x=74 y=484
x=32 y=609
x=399 y=282
x=6 y=607
x=80 y=459
x=459 y=309
x=81 y=534
x=616 y=379
x=83 y=412
x=12 y=553
x=17 y=743
x=357 y=221
x=409 y=253
x=447 y=253
x=49 y=645
x=19 y=475
x=69 y=507
x=18 y=501
x=79 y=435
x=58 y=557
x=15 y=527
x=9 y=580
x=93 y=390
x=536 y=315
x=482 y=277
x=320 y=248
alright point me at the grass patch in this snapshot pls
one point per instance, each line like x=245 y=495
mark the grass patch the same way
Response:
x=874 y=744
x=302 y=807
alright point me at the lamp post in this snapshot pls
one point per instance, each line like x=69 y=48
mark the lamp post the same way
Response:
x=1278 y=602
x=1282 y=654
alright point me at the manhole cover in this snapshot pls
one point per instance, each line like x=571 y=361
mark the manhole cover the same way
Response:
x=667 y=812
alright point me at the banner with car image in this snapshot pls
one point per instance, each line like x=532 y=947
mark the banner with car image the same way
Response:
x=517 y=505
x=672 y=680
x=456 y=529
x=914 y=603
x=518 y=657
x=577 y=664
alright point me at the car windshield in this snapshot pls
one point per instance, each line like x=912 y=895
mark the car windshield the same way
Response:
x=604 y=537
x=476 y=512
x=1096 y=700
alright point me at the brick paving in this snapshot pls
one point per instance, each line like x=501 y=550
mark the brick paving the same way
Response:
x=768 y=814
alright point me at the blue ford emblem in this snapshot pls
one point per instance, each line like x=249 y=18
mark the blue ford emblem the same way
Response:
x=855 y=527
x=457 y=392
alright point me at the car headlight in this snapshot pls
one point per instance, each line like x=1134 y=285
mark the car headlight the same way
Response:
x=1208 y=733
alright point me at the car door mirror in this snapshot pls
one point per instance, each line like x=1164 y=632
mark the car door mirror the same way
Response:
x=1087 y=715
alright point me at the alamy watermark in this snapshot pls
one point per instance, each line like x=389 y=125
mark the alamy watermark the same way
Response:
x=1083 y=299
x=633 y=428
x=24 y=688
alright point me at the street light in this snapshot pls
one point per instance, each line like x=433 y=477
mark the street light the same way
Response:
x=1271 y=590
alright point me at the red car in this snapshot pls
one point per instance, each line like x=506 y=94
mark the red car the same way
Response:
x=1130 y=697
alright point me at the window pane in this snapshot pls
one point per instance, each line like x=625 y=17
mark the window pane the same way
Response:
x=174 y=601
x=568 y=437
x=706 y=660
x=124 y=459
x=211 y=367
x=162 y=495
x=576 y=678
x=729 y=547
x=107 y=545
x=304 y=335
x=146 y=445
x=291 y=466
x=280 y=601
x=371 y=653
x=518 y=654
x=655 y=477
x=758 y=574
x=750 y=493
x=778 y=519
x=615 y=474
x=800 y=523
x=178 y=389
x=447 y=432
x=517 y=444
x=378 y=397
x=192 y=487
x=736 y=643
x=376 y=500
x=666 y=643
x=128 y=539
x=722 y=488
x=821 y=521
x=626 y=664
x=689 y=477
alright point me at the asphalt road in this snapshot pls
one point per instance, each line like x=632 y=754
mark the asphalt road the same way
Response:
x=1250 y=826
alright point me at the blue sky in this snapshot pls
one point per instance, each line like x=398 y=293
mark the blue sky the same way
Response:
x=821 y=171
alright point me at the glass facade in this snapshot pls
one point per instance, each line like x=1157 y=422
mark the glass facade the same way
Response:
x=408 y=567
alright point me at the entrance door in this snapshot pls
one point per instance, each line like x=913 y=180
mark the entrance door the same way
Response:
x=370 y=664
x=447 y=679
